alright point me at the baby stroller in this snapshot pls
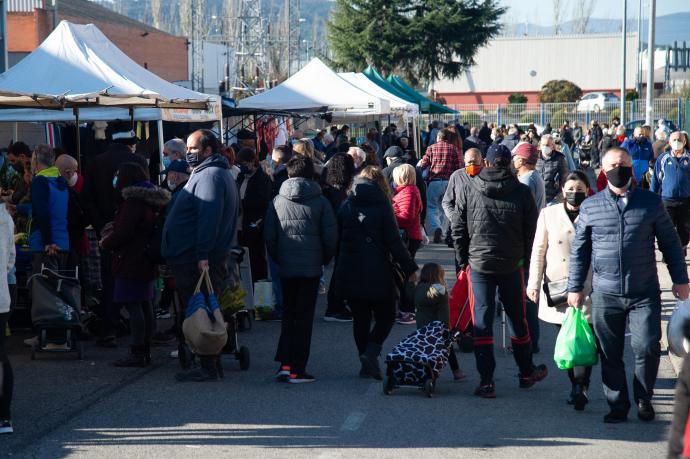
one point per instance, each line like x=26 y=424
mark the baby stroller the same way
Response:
x=55 y=311
x=418 y=360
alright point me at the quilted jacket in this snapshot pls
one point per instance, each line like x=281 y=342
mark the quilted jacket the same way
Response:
x=300 y=229
x=407 y=205
x=620 y=245
x=369 y=241
x=553 y=170
x=495 y=222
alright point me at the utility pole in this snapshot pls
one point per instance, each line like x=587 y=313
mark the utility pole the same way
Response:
x=650 y=63
x=3 y=36
x=638 y=59
x=623 y=38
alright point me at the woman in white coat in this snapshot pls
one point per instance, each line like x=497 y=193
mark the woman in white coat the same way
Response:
x=7 y=254
x=550 y=261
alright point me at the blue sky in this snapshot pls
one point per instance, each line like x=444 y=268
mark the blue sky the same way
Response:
x=541 y=11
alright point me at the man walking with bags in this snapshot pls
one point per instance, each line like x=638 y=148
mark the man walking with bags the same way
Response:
x=615 y=233
x=200 y=230
x=493 y=229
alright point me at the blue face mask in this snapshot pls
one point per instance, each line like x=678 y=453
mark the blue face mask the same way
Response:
x=115 y=182
x=166 y=162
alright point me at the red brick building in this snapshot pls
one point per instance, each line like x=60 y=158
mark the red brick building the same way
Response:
x=29 y=22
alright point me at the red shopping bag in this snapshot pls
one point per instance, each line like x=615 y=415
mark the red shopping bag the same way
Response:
x=460 y=302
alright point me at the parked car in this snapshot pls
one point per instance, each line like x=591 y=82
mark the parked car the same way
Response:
x=595 y=101
x=631 y=125
x=524 y=126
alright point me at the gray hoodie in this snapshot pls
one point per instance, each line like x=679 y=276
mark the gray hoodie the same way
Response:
x=300 y=229
x=202 y=223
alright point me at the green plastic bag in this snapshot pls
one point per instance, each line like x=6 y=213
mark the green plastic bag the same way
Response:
x=575 y=345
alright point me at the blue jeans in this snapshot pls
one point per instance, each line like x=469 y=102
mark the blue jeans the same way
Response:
x=434 y=195
x=609 y=314
x=274 y=270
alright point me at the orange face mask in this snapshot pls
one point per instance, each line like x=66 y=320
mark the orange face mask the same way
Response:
x=473 y=170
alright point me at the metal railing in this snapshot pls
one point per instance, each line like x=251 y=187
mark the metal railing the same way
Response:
x=540 y=114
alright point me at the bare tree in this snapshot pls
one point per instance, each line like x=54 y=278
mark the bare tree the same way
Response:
x=582 y=13
x=157 y=13
x=557 y=16
x=185 y=13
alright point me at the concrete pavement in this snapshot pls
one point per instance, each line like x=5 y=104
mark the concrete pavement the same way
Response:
x=88 y=409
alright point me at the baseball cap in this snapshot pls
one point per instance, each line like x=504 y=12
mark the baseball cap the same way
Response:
x=497 y=151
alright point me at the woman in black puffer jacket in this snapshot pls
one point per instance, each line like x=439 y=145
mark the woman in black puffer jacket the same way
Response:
x=369 y=244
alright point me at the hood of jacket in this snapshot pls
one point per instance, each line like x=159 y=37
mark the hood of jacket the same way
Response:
x=215 y=160
x=495 y=182
x=148 y=193
x=299 y=189
x=367 y=192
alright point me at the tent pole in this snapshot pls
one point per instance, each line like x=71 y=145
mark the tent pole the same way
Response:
x=256 y=135
x=161 y=143
x=131 y=116
x=414 y=135
x=76 y=118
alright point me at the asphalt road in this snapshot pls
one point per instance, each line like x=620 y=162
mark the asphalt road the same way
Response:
x=66 y=408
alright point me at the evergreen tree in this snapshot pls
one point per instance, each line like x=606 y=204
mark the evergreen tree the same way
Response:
x=422 y=39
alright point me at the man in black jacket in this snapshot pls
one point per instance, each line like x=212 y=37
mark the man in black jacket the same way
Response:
x=493 y=230
x=98 y=199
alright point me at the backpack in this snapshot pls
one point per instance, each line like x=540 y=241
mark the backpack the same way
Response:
x=152 y=251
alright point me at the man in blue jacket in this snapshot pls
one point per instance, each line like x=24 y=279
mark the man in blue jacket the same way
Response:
x=201 y=228
x=49 y=237
x=671 y=179
x=615 y=233
x=640 y=150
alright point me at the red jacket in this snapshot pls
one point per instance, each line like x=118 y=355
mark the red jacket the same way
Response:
x=407 y=205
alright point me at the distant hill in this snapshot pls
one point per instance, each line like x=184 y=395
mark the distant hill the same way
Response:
x=669 y=28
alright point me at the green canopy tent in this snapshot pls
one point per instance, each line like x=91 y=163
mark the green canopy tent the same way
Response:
x=371 y=73
x=433 y=107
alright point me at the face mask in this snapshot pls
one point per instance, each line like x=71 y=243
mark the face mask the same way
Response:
x=192 y=158
x=115 y=182
x=166 y=162
x=619 y=176
x=473 y=170
x=575 y=198
x=244 y=169
x=172 y=186
x=546 y=151
x=677 y=145
x=72 y=180
x=640 y=140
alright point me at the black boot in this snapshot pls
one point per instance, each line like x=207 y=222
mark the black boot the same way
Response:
x=370 y=360
x=571 y=396
x=580 y=397
x=138 y=358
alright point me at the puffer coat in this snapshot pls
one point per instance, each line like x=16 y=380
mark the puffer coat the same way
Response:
x=369 y=242
x=620 y=245
x=300 y=229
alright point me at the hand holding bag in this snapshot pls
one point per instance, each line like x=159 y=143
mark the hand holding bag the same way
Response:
x=575 y=344
x=204 y=327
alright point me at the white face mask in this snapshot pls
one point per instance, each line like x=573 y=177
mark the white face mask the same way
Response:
x=546 y=150
x=677 y=145
x=172 y=186
x=72 y=180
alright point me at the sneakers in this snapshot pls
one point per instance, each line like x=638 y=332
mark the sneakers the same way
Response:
x=438 y=234
x=283 y=374
x=486 y=390
x=322 y=288
x=539 y=372
x=645 y=411
x=6 y=427
x=407 y=318
x=31 y=342
x=301 y=378
x=459 y=375
x=338 y=317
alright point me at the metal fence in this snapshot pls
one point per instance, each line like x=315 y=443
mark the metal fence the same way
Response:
x=541 y=114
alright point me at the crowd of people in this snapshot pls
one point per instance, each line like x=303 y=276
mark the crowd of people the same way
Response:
x=519 y=208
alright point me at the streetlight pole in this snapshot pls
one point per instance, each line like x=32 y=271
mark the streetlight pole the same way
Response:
x=650 y=63
x=623 y=38
x=638 y=60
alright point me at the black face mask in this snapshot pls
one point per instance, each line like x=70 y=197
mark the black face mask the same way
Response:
x=640 y=140
x=575 y=198
x=192 y=158
x=619 y=176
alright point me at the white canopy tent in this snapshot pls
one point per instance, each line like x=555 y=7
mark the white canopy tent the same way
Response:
x=318 y=89
x=396 y=104
x=78 y=66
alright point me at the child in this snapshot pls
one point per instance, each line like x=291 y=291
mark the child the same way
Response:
x=431 y=303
